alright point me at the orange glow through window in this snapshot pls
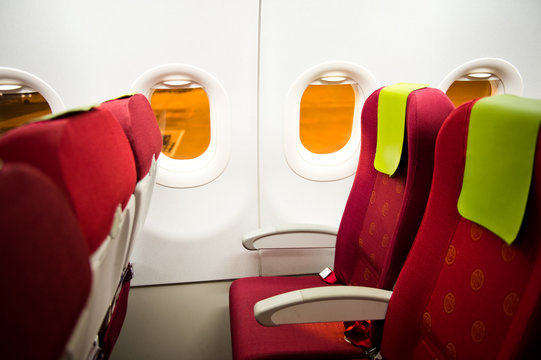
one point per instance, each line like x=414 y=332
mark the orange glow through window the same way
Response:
x=18 y=108
x=462 y=91
x=326 y=117
x=184 y=119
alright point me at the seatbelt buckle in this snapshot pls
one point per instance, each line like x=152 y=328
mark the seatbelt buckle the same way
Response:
x=328 y=276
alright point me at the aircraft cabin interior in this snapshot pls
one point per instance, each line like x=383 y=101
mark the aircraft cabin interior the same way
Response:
x=270 y=179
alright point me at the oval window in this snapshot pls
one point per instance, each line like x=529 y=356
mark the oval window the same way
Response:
x=473 y=86
x=326 y=117
x=481 y=77
x=19 y=104
x=192 y=110
x=322 y=132
x=24 y=97
x=183 y=113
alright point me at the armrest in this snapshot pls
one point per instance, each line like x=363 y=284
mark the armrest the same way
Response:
x=323 y=304
x=304 y=236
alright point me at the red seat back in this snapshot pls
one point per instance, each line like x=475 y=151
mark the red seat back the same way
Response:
x=88 y=156
x=141 y=128
x=44 y=269
x=463 y=292
x=376 y=231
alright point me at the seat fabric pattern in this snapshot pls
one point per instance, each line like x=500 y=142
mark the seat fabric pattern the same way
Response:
x=463 y=292
x=378 y=225
x=44 y=269
x=88 y=156
x=141 y=128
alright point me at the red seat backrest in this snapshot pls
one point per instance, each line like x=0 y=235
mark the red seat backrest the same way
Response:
x=141 y=128
x=88 y=156
x=44 y=269
x=463 y=292
x=376 y=232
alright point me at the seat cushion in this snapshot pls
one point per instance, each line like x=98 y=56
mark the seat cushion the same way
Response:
x=304 y=341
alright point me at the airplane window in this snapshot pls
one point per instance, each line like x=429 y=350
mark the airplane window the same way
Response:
x=322 y=132
x=326 y=117
x=183 y=114
x=192 y=110
x=18 y=104
x=481 y=77
x=473 y=86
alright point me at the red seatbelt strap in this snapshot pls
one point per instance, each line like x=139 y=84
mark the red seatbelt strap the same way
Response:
x=356 y=333
x=119 y=313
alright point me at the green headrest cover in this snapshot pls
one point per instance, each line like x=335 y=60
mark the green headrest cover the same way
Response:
x=63 y=114
x=391 y=121
x=502 y=138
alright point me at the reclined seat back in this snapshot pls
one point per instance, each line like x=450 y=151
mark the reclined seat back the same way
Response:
x=464 y=292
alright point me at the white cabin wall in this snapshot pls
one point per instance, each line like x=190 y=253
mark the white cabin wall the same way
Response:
x=92 y=51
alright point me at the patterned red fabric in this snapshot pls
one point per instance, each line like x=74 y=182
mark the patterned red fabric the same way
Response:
x=44 y=270
x=88 y=156
x=141 y=128
x=300 y=341
x=112 y=332
x=463 y=292
x=380 y=220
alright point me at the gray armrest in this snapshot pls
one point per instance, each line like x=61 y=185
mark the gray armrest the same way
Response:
x=293 y=236
x=323 y=304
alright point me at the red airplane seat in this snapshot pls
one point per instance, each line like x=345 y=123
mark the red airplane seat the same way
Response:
x=141 y=128
x=379 y=223
x=46 y=275
x=87 y=154
x=464 y=292
x=139 y=123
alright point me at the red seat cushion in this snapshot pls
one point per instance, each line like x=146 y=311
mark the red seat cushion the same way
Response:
x=88 y=156
x=463 y=292
x=45 y=272
x=141 y=128
x=301 y=341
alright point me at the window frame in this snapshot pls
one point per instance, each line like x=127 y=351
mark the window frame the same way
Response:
x=187 y=173
x=19 y=77
x=342 y=163
x=508 y=74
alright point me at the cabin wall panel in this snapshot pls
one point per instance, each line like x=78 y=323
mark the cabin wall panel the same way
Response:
x=92 y=51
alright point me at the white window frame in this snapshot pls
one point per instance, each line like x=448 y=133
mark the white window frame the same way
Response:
x=209 y=165
x=504 y=70
x=342 y=163
x=11 y=76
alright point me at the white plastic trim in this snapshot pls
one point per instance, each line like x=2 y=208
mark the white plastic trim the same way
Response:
x=32 y=81
x=323 y=304
x=340 y=164
x=307 y=238
x=505 y=71
x=209 y=165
